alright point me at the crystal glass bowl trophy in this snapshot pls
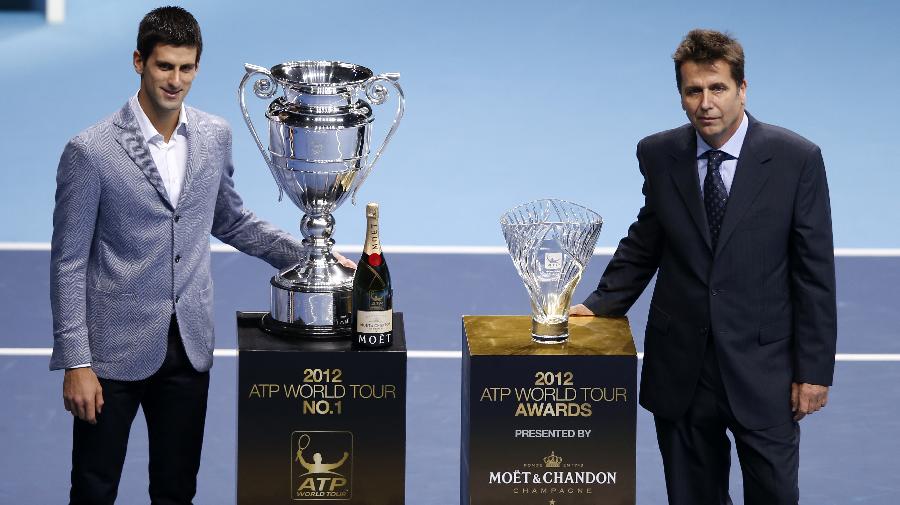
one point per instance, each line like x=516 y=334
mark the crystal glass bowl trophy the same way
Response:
x=550 y=242
x=318 y=153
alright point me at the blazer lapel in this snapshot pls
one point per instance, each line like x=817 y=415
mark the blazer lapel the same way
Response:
x=749 y=178
x=196 y=149
x=132 y=140
x=687 y=180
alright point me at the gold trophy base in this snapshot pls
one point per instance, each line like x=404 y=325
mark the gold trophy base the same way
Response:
x=549 y=333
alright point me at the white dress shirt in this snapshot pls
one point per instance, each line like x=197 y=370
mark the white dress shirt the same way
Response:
x=169 y=157
x=732 y=147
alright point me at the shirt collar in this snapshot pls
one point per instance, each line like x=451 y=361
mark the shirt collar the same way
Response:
x=147 y=129
x=732 y=147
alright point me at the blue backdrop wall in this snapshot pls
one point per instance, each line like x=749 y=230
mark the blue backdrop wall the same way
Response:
x=506 y=101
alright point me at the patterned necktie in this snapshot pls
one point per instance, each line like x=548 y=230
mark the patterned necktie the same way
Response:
x=715 y=196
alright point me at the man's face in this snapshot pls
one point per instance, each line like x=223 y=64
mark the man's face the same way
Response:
x=167 y=75
x=713 y=101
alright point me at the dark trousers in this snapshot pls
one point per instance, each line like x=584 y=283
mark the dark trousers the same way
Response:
x=696 y=451
x=174 y=404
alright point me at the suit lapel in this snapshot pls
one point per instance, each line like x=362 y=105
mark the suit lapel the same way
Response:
x=687 y=180
x=196 y=148
x=749 y=178
x=132 y=140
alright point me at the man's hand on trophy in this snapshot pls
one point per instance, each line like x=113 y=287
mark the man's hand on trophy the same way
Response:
x=343 y=260
x=580 y=310
x=82 y=394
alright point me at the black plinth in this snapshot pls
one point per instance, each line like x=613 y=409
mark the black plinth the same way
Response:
x=548 y=423
x=318 y=421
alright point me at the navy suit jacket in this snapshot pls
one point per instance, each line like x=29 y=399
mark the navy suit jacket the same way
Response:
x=124 y=257
x=766 y=295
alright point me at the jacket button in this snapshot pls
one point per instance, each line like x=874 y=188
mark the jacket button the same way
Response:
x=177 y=298
x=177 y=258
x=177 y=218
x=704 y=331
x=715 y=292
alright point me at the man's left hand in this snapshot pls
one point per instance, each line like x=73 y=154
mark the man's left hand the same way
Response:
x=807 y=398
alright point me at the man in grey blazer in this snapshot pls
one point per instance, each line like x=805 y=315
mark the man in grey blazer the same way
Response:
x=138 y=195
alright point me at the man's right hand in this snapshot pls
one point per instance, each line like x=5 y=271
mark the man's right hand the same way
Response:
x=580 y=310
x=82 y=394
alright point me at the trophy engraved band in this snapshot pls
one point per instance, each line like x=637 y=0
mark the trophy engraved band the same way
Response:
x=550 y=242
x=318 y=154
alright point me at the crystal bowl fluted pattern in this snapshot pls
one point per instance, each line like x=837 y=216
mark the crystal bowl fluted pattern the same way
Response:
x=550 y=242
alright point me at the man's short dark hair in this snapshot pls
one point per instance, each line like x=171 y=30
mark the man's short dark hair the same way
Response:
x=172 y=26
x=707 y=46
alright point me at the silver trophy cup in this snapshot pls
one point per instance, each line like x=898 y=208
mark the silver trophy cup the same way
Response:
x=318 y=153
x=550 y=242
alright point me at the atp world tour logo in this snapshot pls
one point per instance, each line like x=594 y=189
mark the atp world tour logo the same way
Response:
x=321 y=465
x=553 y=261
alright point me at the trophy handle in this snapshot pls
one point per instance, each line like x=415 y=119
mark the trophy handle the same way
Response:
x=378 y=93
x=265 y=87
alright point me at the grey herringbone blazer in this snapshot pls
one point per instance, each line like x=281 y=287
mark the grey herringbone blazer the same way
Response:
x=123 y=256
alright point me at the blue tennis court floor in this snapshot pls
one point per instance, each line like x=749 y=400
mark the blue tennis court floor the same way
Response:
x=849 y=451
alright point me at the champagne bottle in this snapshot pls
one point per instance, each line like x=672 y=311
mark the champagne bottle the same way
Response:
x=372 y=294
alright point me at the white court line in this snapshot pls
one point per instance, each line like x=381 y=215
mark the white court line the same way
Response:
x=434 y=354
x=864 y=252
x=462 y=249
x=867 y=357
x=417 y=354
x=24 y=246
x=55 y=11
x=25 y=351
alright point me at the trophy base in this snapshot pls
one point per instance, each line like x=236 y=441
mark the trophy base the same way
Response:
x=316 y=315
x=324 y=333
x=549 y=333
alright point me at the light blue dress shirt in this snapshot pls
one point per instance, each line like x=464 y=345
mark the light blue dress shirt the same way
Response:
x=732 y=147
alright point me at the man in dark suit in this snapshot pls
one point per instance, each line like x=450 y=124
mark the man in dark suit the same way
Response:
x=741 y=333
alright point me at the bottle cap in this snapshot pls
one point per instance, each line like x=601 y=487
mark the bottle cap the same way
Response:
x=372 y=210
